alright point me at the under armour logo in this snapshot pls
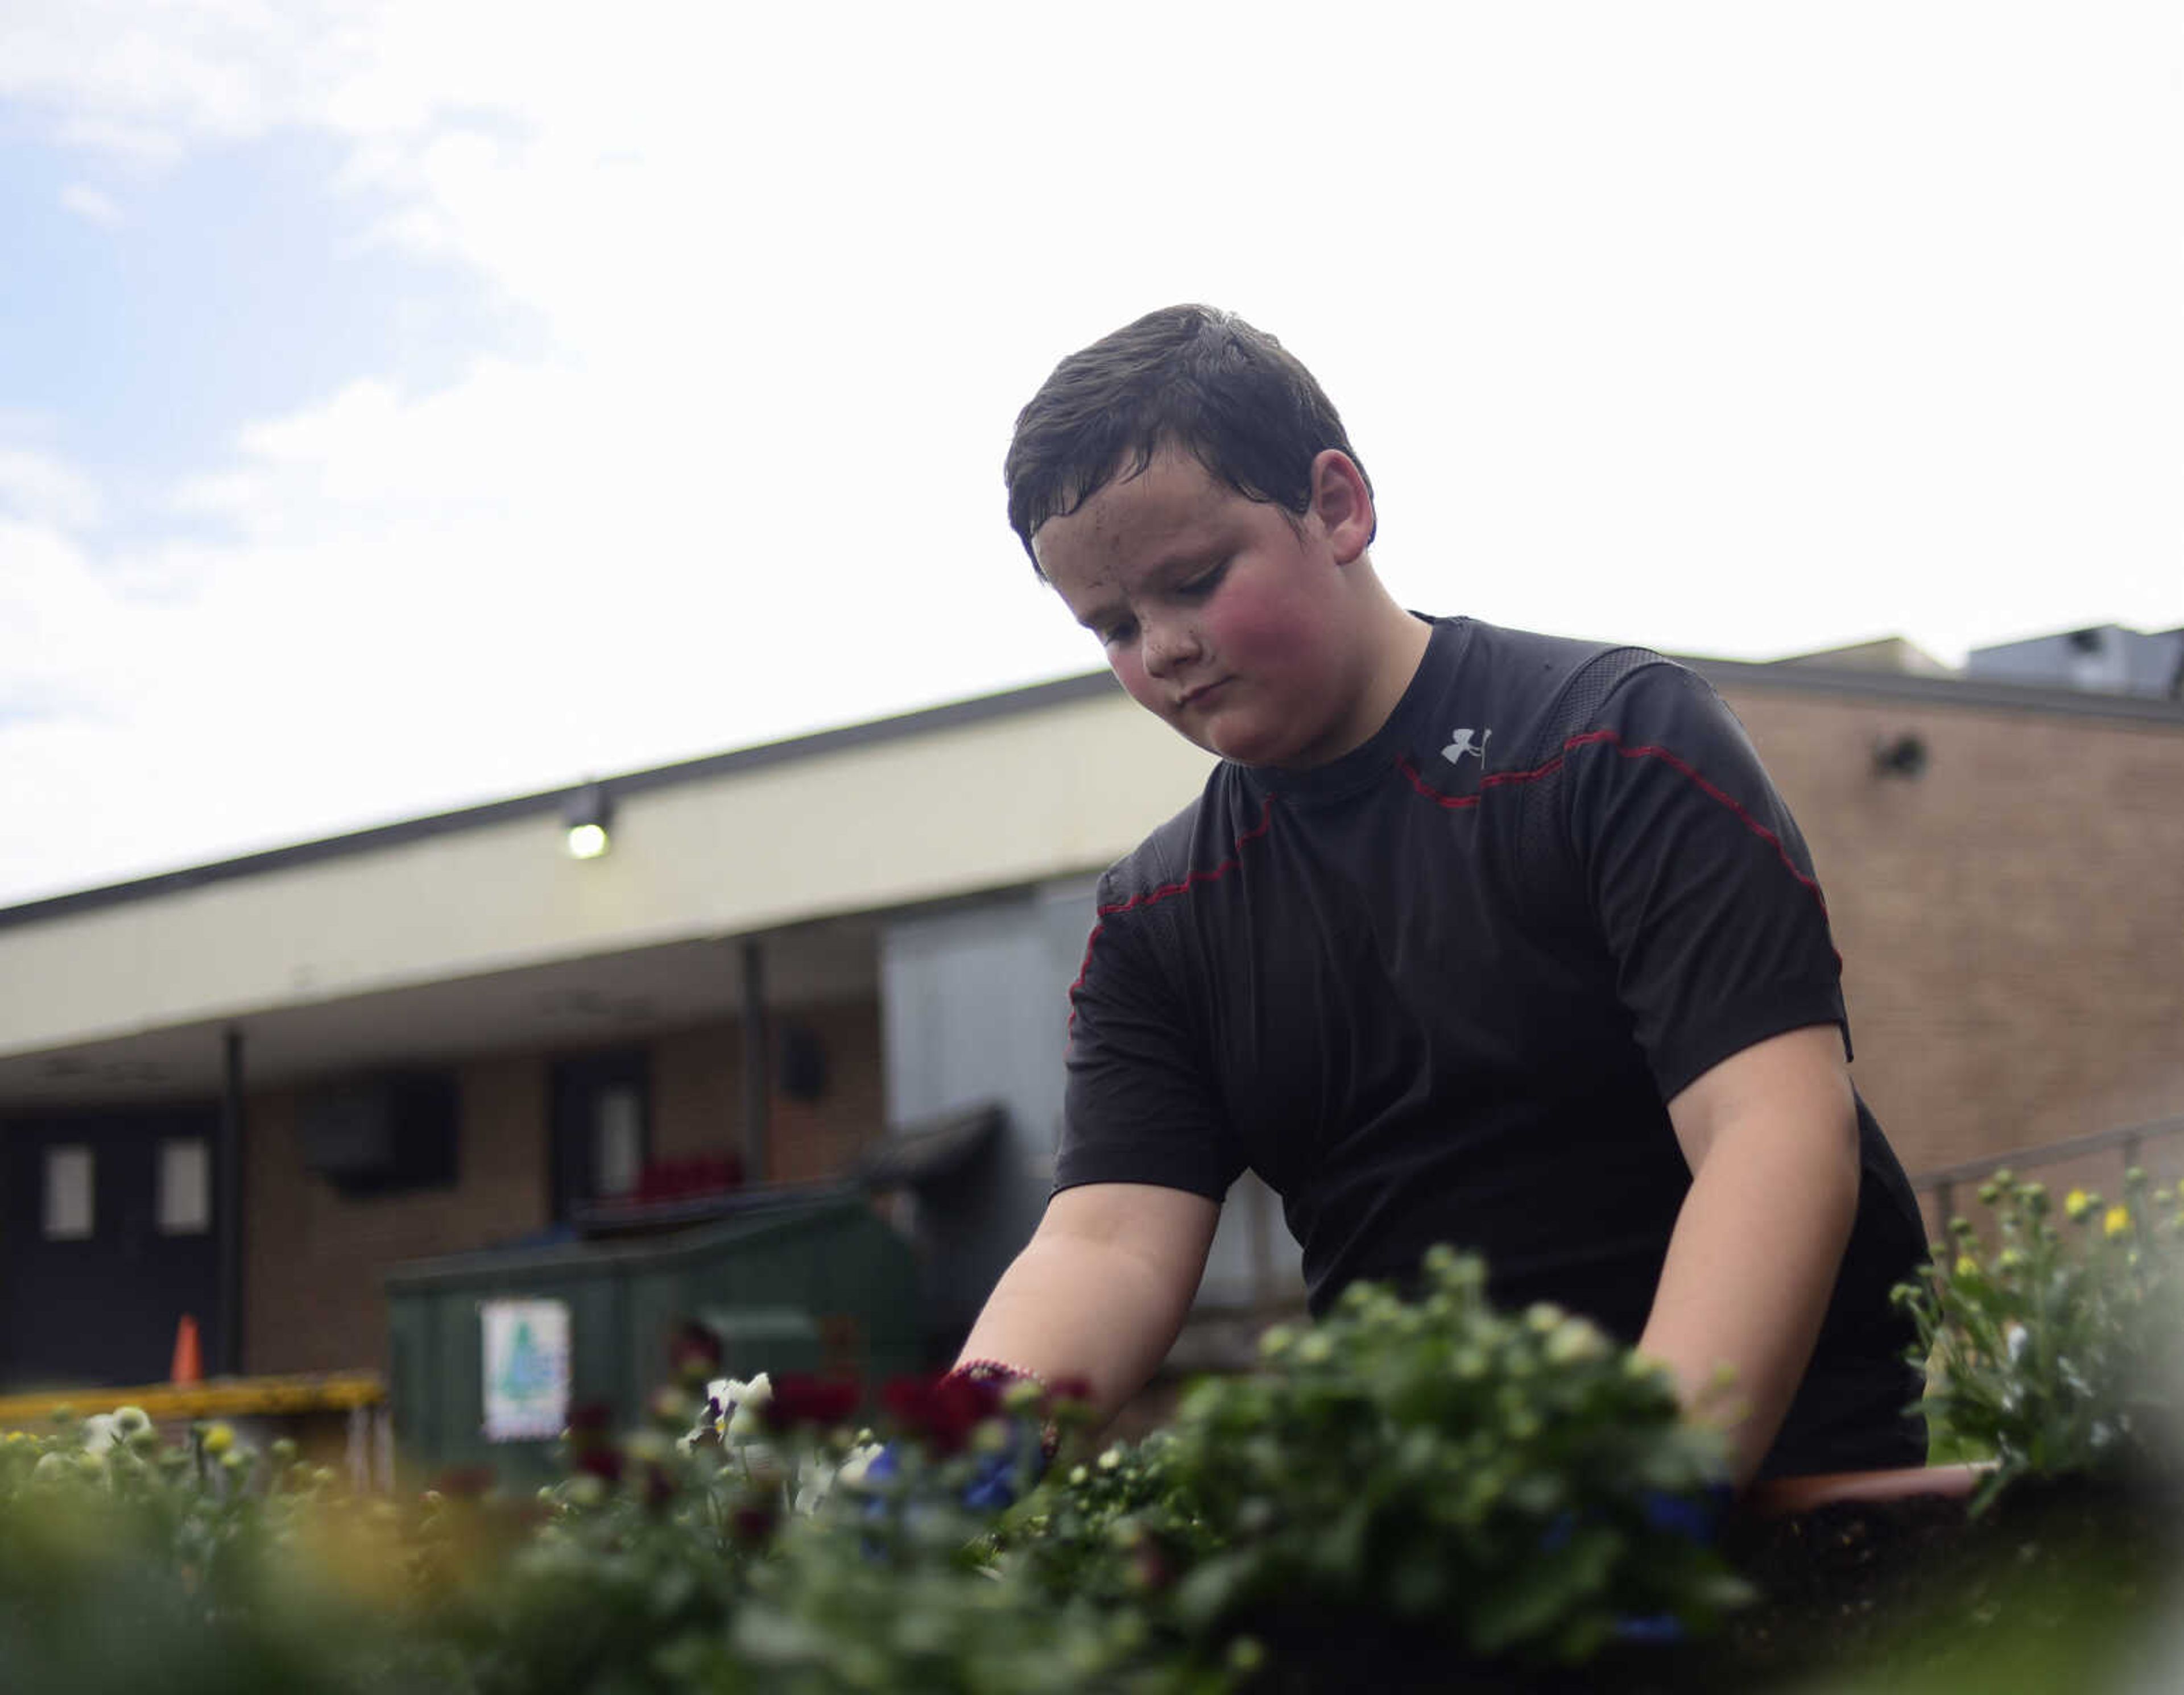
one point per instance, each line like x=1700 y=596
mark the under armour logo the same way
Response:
x=1456 y=750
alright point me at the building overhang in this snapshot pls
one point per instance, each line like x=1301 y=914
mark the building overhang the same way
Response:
x=471 y=932
x=476 y=932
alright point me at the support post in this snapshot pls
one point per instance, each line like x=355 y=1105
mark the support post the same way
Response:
x=757 y=1078
x=227 y=1208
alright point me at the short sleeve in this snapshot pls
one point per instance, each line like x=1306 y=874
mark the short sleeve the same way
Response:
x=1139 y=1104
x=1699 y=880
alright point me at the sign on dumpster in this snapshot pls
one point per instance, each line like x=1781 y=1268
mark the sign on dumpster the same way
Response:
x=527 y=1369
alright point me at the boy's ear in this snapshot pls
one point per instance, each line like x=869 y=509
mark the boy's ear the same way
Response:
x=1342 y=502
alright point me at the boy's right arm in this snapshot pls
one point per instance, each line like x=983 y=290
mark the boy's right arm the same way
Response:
x=1101 y=1291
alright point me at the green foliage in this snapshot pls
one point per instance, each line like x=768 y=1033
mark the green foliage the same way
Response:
x=1492 y=1484
x=2053 y=1346
x=1435 y=1465
x=1117 y=1528
x=128 y=1563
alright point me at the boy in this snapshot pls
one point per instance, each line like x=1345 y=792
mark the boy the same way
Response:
x=1474 y=936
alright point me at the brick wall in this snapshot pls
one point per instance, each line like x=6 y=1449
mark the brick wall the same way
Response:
x=314 y=1257
x=697 y=1094
x=2009 y=920
x=312 y=1300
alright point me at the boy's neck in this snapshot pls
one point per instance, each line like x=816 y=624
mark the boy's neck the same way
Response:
x=1398 y=643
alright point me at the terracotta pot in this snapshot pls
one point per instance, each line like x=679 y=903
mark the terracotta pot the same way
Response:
x=1782 y=1497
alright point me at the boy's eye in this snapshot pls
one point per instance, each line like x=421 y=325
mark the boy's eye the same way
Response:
x=1120 y=631
x=1204 y=583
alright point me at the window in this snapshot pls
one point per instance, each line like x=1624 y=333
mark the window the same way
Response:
x=601 y=1128
x=69 y=1180
x=185 y=1206
x=617 y=1139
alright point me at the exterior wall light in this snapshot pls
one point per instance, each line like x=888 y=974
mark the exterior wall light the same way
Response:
x=586 y=815
x=1900 y=756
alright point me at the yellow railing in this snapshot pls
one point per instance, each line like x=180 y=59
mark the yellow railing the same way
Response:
x=222 y=1398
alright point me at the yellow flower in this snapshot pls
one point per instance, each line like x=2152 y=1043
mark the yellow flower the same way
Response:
x=1967 y=1266
x=2117 y=1221
x=219 y=1438
x=2078 y=1204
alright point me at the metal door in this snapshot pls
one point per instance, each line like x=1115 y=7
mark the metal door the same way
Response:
x=107 y=1237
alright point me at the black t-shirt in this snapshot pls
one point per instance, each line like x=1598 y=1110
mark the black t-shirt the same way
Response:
x=1440 y=989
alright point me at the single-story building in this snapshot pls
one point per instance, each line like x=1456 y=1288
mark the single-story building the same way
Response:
x=248 y=1090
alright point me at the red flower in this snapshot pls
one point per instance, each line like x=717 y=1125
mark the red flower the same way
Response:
x=464 y=1483
x=753 y=1526
x=1150 y=1569
x=800 y=1398
x=941 y=1412
x=602 y=1460
x=695 y=1353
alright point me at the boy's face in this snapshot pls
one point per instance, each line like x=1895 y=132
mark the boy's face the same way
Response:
x=1226 y=617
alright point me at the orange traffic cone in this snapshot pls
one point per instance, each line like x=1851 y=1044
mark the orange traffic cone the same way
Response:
x=189 y=1364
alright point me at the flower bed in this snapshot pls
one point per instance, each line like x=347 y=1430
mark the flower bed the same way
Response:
x=1427 y=1495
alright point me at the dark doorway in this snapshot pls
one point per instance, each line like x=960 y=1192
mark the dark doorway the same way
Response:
x=106 y=1238
x=602 y=1126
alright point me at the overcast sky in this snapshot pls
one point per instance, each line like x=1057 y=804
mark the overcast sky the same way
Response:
x=405 y=405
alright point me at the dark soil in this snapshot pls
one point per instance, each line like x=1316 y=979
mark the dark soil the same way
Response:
x=1916 y=1585
x=1908 y=1590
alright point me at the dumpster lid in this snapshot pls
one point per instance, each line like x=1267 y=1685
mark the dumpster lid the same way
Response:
x=930 y=1149
x=625 y=1217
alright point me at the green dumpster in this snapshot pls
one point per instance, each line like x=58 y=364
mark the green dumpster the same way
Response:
x=491 y=1349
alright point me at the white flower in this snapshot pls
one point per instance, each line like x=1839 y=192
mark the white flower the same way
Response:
x=2015 y=1335
x=732 y=1408
x=1573 y=1340
x=743 y=1405
x=99 y=1433
x=825 y=1478
x=858 y=1461
x=584 y=1490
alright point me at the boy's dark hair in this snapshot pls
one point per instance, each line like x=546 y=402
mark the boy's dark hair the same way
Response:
x=1190 y=377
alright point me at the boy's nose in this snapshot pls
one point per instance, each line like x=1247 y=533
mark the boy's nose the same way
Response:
x=1167 y=645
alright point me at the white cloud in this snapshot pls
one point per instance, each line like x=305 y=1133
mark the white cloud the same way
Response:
x=45 y=490
x=1715 y=327
x=92 y=205
x=143 y=82
x=75 y=646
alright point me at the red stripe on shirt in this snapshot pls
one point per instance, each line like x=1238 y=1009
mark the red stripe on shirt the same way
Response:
x=1500 y=779
x=1190 y=881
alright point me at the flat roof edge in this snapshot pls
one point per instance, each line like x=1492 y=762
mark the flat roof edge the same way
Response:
x=949 y=715
x=1962 y=692
x=1970 y=694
